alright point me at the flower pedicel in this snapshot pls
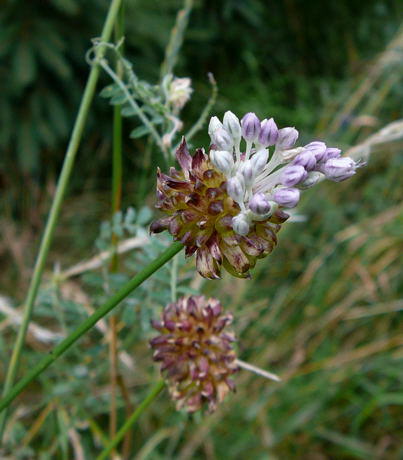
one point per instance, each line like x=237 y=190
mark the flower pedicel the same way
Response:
x=228 y=206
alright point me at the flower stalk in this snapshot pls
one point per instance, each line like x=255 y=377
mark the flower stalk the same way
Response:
x=67 y=168
x=86 y=325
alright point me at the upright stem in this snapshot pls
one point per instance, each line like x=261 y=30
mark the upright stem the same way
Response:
x=116 y=206
x=86 y=325
x=155 y=391
x=56 y=205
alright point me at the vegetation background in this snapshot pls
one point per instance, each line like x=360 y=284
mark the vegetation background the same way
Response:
x=323 y=312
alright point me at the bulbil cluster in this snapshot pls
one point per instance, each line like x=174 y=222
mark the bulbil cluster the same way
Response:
x=201 y=214
x=195 y=351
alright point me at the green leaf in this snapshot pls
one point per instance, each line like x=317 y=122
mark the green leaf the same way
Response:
x=139 y=132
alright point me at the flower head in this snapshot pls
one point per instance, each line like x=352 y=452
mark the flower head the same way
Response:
x=228 y=205
x=195 y=351
x=180 y=91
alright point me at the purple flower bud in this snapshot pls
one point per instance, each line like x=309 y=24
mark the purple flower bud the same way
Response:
x=236 y=188
x=287 y=137
x=240 y=224
x=222 y=139
x=222 y=160
x=259 y=204
x=268 y=133
x=292 y=175
x=339 y=169
x=287 y=197
x=317 y=148
x=259 y=160
x=306 y=159
x=247 y=172
x=232 y=125
x=250 y=126
x=331 y=152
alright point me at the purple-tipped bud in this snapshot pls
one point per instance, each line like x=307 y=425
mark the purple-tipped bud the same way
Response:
x=287 y=197
x=236 y=188
x=232 y=125
x=331 y=152
x=214 y=124
x=318 y=148
x=222 y=139
x=247 y=172
x=293 y=175
x=259 y=204
x=250 y=127
x=306 y=159
x=222 y=160
x=268 y=133
x=313 y=178
x=240 y=224
x=259 y=160
x=339 y=169
x=287 y=137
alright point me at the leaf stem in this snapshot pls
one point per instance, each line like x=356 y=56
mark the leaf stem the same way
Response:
x=86 y=325
x=155 y=391
x=55 y=208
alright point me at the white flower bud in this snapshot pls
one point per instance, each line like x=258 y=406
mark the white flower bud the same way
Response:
x=214 y=124
x=222 y=139
x=312 y=179
x=240 y=224
x=232 y=125
x=259 y=160
x=288 y=155
x=236 y=188
x=222 y=160
x=248 y=173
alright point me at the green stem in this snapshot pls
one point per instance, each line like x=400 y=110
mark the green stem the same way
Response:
x=56 y=205
x=155 y=391
x=86 y=325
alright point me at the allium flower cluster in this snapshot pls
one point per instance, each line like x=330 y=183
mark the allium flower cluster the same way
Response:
x=195 y=351
x=260 y=181
x=227 y=206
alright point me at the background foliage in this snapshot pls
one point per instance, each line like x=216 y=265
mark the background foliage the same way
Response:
x=323 y=311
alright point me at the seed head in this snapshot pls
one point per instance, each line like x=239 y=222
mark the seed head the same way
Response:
x=195 y=351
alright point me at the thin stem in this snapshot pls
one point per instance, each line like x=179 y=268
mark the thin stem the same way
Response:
x=155 y=391
x=86 y=325
x=116 y=205
x=56 y=205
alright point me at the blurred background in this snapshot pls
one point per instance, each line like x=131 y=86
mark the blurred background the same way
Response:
x=323 y=311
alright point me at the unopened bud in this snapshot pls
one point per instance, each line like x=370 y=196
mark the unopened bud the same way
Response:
x=331 y=152
x=339 y=169
x=247 y=172
x=259 y=204
x=232 y=125
x=250 y=127
x=292 y=175
x=287 y=137
x=222 y=160
x=318 y=148
x=259 y=160
x=214 y=124
x=240 y=224
x=236 y=188
x=312 y=179
x=287 y=197
x=222 y=139
x=268 y=133
x=306 y=159
x=288 y=155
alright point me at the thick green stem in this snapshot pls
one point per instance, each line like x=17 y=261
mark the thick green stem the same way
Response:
x=89 y=323
x=155 y=391
x=56 y=205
